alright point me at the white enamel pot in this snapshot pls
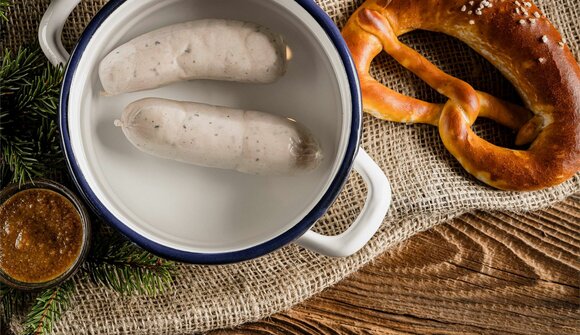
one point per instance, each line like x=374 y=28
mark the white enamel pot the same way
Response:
x=211 y=216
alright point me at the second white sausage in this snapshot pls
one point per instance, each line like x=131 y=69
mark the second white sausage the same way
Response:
x=213 y=136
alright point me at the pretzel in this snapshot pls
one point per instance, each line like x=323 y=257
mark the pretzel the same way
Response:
x=515 y=37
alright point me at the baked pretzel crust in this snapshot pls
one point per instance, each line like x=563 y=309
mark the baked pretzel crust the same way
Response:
x=517 y=39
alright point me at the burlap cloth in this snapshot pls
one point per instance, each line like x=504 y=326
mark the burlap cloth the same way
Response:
x=429 y=187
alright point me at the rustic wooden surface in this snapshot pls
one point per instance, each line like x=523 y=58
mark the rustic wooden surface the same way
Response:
x=480 y=274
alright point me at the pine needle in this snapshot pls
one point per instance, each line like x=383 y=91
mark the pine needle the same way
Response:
x=6 y=303
x=4 y=4
x=12 y=301
x=16 y=68
x=29 y=135
x=50 y=305
x=18 y=159
x=39 y=97
x=128 y=269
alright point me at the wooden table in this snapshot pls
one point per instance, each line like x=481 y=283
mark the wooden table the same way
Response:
x=479 y=274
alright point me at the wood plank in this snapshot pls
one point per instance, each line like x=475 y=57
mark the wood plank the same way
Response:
x=499 y=273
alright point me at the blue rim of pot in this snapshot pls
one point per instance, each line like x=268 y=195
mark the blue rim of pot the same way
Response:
x=234 y=256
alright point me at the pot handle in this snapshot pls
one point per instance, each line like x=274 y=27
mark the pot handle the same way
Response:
x=369 y=220
x=50 y=30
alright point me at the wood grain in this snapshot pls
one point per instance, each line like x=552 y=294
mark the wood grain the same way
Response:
x=480 y=274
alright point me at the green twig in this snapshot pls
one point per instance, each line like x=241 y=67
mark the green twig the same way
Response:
x=4 y=4
x=29 y=135
x=128 y=269
x=48 y=308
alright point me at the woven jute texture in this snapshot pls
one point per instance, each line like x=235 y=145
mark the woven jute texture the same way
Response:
x=429 y=187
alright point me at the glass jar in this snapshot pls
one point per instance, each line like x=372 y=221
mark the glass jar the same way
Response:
x=12 y=190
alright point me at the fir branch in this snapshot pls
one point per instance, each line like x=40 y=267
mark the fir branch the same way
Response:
x=39 y=97
x=12 y=301
x=18 y=159
x=128 y=269
x=29 y=136
x=4 y=4
x=50 y=305
x=48 y=146
x=16 y=69
x=6 y=303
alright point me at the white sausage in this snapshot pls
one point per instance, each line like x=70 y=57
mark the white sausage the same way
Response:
x=205 y=49
x=246 y=141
